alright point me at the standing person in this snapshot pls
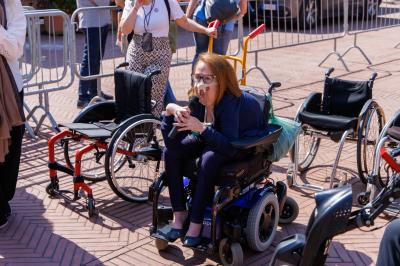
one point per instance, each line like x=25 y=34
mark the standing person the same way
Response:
x=149 y=49
x=196 y=8
x=169 y=96
x=12 y=39
x=95 y=26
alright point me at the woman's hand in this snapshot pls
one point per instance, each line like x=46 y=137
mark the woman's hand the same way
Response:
x=138 y=4
x=191 y=123
x=178 y=111
x=212 y=32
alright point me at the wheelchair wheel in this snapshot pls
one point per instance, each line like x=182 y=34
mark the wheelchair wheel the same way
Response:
x=230 y=253
x=308 y=148
x=368 y=134
x=143 y=144
x=290 y=211
x=262 y=223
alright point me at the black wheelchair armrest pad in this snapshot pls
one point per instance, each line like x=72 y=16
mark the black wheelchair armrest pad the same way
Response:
x=271 y=136
x=313 y=102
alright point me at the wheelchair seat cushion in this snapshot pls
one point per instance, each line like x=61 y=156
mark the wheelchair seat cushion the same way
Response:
x=328 y=122
x=92 y=131
x=394 y=132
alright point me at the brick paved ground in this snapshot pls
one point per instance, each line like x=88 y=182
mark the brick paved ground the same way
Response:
x=45 y=231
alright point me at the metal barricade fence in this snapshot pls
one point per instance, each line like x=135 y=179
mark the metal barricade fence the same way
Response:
x=46 y=62
x=372 y=16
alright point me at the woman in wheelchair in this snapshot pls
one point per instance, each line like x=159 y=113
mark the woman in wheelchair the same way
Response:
x=219 y=113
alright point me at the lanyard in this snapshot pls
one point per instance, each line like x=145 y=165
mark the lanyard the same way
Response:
x=147 y=16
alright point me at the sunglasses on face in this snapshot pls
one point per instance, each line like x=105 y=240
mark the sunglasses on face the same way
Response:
x=207 y=79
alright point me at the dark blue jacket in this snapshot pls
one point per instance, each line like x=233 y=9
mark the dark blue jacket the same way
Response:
x=234 y=118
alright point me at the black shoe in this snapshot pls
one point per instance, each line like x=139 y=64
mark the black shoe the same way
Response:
x=106 y=96
x=7 y=210
x=3 y=221
x=82 y=103
x=192 y=241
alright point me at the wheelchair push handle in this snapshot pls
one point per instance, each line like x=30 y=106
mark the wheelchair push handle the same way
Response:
x=329 y=72
x=214 y=24
x=272 y=86
x=257 y=31
x=373 y=76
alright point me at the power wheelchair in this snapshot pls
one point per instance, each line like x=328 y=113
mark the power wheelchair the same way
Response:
x=389 y=139
x=247 y=204
x=333 y=216
x=117 y=140
x=344 y=112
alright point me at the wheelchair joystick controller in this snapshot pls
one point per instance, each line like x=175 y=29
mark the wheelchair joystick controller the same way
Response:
x=192 y=103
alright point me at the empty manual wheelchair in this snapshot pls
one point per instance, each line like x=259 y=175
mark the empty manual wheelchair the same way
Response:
x=344 y=112
x=247 y=205
x=118 y=140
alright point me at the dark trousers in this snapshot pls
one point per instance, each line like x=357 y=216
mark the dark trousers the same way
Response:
x=389 y=250
x=9 y=169
x=93 y=52
x=178 y=151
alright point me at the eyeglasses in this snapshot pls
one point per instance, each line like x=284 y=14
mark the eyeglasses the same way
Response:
x=207 y=79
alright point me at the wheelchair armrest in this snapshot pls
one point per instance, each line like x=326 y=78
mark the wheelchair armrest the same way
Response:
x=124 y=64
x=270 y=137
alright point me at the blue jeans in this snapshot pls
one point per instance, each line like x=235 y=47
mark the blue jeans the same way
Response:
x=389 y=250
x=169 y=96
x=93 y=52
x=220 y=45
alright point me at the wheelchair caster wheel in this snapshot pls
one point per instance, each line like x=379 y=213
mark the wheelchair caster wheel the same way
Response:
x=362 y=199
x=289 y=180
x=161 y=244
x=91 y=207
x=230 y=253
x=51 y=189
x=290 y=211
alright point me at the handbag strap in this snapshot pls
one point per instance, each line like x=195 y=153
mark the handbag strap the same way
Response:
x=168 y=9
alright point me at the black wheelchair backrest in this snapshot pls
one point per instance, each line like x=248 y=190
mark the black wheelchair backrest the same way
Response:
x=132 y=93
x=330 y=218
x=345 y=97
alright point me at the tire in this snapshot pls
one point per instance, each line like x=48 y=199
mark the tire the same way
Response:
x=231 y=254
x=368 y=134
x=91 y=169
x=137 y=134
x=290 y=211
x=308 y=15
x=161 y=244
x=308 y=149
x=266 y=214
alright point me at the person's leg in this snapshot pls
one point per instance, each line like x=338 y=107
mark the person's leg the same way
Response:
x=389 y=249
x=178 y=150
x=169 y=96
x=208 y=174
x=221 y=44
x=158 y=59
x=200 y=40
x=9 y=170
